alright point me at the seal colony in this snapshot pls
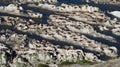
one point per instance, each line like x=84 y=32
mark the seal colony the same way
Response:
x=72 y=33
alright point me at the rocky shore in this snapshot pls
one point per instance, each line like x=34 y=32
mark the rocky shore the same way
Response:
x=72 y=34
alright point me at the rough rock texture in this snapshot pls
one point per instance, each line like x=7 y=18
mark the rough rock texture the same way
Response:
x=36 y=32
x=112 y=2
x=19 y=11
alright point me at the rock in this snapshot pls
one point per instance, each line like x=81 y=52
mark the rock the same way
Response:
x=111 y=51
x=2 y=46
x=37 y=1
x=3 y=38
x=91 y=57
x=116 y=31
x=80 y=29
x=19 y=11
x=114 y=49
x=11 y=7
x=21 y=25
x=31 y=45
x=110 y=2
x=115 y=13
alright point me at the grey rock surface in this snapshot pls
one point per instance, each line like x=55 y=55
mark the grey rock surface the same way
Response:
x=51 y=33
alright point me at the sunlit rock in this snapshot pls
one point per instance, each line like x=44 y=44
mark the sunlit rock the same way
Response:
x=115 y=13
